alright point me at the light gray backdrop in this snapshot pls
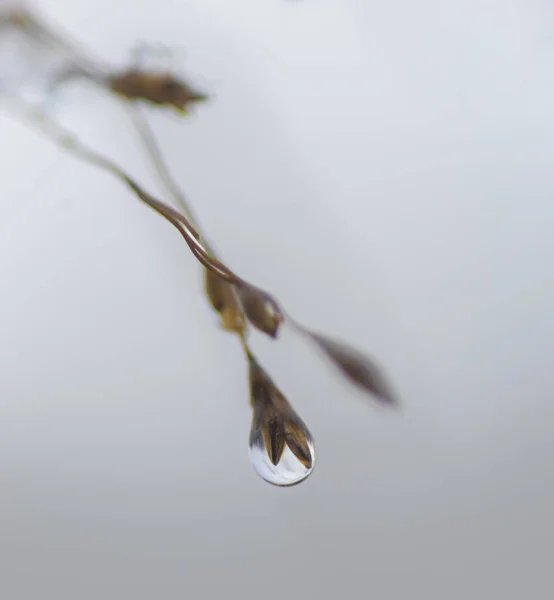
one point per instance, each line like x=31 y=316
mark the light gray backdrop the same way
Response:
x=386 y=169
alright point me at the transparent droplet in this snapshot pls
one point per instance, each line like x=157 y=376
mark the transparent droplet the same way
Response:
x=289 y=470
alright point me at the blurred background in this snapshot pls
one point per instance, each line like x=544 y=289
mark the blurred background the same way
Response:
x=386 y=170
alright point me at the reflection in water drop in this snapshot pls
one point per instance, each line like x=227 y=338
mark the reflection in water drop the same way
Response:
x=289 y=470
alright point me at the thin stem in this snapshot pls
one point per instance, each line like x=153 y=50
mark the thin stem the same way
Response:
x=148 y=139
x=30 y=25
x=68 y=142
x=152 y=147
x=245 y=347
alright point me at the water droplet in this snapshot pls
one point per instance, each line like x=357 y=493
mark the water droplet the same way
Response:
x=281 y=446
x=289 y=469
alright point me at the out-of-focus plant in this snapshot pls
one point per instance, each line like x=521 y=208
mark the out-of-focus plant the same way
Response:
x=281 y=446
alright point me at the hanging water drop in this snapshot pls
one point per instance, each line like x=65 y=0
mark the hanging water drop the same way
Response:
x=277 y=463
x=281 y=446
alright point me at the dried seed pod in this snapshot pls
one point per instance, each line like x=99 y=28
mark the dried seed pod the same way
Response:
x=158 y=88
x=16 y=16
x=356 y=367
x=223 y=297
x=261 y=309
x=281 y=446
x=273 y=432
x=299 y=439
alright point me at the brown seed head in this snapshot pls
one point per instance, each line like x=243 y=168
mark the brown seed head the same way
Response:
x=261 y=309
x=158 y=88
x=358 y=368
x=275 y=418
x=223 y=298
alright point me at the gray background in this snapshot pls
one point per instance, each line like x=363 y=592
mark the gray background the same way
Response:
x=386 y=169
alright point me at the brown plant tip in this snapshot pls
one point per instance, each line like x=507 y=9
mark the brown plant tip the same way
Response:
x=275 y=418
x=295 y=436
x=262 y=389
x=273 y=433
x=17 y=16
x=261 y=309
x=223 y=297
x=158 y=88
x=358 y=368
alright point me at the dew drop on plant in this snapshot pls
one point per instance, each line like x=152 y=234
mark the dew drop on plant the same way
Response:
x=289 y=470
